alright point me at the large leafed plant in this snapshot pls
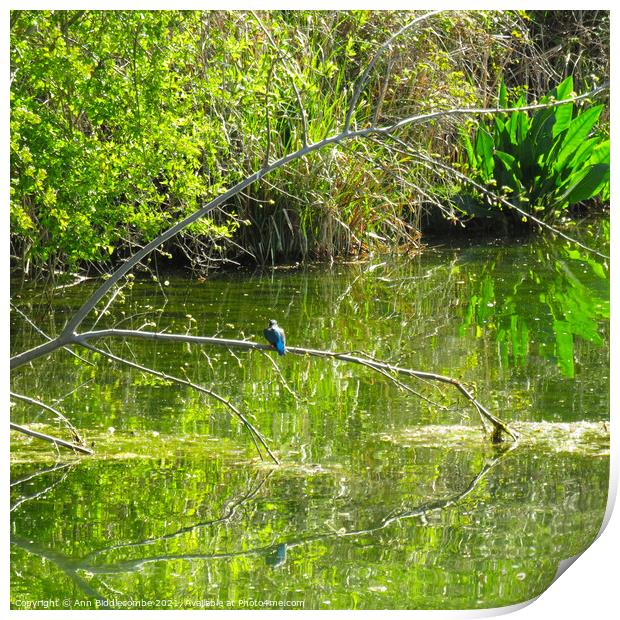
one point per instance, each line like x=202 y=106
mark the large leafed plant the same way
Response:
x=545 y=162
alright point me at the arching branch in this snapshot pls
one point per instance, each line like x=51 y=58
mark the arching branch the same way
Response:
x=499 y=427
x=71 y=336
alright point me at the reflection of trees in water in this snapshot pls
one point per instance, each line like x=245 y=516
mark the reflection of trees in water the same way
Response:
x=274 y=554
x=542 y=300
x=64 y=467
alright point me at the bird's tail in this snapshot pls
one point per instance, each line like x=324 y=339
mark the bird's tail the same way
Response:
x=281 y=348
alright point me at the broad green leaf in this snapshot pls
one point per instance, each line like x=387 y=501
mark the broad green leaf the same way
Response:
x=512 y=127
x=519 y=123
x=484 y=151
x=563 y=117
x=590 y=185
x=577 y=133
x=541 y=133
x=509 y=176
x=508 y=160
x=582 y=154
x=600 y=153
x=565 y=89
x=501 y=134
x=540 y=119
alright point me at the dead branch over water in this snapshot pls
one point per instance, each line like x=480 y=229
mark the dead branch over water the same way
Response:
x=499 y=427
x=348 y=132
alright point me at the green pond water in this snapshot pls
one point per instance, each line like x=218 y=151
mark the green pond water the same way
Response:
x=381 y=500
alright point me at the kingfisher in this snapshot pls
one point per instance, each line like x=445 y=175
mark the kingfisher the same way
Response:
x=277 y=557
x=275 y=337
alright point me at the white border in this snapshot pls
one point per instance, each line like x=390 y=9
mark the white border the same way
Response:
x=589 y=588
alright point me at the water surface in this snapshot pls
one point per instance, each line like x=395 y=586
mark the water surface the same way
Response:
x=382 y=499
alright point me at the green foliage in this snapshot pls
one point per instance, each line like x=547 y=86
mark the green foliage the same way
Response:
x=123 y=122
x=107 y=139
x=545 y=161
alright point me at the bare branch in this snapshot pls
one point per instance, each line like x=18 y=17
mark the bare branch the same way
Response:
x=476 y=111
x=50 y=438
x=254 y=433
x=498 y=425
x=60 y=416
x=399 y=384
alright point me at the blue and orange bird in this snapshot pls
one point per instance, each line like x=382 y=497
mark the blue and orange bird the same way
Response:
x=275 y=337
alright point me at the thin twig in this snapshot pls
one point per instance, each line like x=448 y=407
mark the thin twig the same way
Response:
x=412 y=120
x=75 y=389
x=254 y=433
x=277 y=370
x=110 y=301
x=60 y=416
x=401 y=385
x=55 y=440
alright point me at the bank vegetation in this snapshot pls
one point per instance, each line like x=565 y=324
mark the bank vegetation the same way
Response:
x=125 y=122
